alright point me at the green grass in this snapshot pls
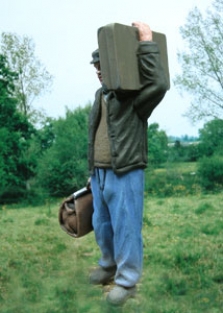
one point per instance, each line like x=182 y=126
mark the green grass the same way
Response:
x=43 y=270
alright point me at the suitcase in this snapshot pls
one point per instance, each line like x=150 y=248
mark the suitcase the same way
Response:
x=118 y=45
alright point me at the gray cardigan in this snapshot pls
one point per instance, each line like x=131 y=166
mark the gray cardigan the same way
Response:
x=127 y=114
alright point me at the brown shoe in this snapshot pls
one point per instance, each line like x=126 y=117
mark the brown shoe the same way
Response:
x=101 y=275
x=119 y=295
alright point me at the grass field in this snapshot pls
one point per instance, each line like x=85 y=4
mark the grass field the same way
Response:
x=43 y=270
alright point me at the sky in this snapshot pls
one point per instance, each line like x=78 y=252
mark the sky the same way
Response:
x=65 y=34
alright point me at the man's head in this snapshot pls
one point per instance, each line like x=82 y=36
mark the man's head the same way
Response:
x=96 y=62
x=95 y=57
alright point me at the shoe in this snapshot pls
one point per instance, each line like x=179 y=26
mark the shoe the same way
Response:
x=101 y=275
x=118 y=295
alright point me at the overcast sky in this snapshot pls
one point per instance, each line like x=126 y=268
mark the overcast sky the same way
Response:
x=65 y=34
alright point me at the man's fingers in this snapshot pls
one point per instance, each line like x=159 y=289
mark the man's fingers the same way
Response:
x=145 y=33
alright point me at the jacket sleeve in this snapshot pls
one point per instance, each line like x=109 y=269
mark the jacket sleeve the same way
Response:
x=153 y=79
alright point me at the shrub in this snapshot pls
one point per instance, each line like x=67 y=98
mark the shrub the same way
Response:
x=210 y=171
x=171 y=181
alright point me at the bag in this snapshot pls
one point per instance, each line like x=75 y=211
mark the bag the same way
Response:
x=75 y=213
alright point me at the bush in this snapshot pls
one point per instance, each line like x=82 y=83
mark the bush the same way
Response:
x=210 y=170
x=63 y=168
x=172 y=181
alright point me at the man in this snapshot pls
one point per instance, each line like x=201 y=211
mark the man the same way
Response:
x=117 y=159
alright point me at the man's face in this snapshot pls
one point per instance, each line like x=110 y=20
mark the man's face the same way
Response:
x=98 y=70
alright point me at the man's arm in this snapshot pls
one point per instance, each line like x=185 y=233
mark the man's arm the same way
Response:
x=152 y=75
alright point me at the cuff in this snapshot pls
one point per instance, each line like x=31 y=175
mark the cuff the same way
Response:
x=148 y=47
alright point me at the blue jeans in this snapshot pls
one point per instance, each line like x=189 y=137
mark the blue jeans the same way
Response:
x=117 y=221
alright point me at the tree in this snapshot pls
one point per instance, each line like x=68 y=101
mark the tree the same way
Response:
x=202 y=62
x=33 y=78
x=158 y=144
x=15 y=135
x=211 y=138
x=62 y=169
x=7 y=80
x=210 y=171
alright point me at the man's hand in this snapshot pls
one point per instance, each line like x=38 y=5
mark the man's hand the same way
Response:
x=88 y=186
x=145 y=33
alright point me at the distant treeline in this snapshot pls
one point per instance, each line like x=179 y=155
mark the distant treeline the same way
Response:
x=51 y=160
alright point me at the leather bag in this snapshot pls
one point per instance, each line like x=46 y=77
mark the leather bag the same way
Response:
x=75 y=213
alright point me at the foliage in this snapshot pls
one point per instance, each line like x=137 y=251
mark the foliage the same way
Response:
x=183 y=152
x=211 y=138
x=46 y=134
x=175 y=179
x=33 y=78
x=44 y=270
x=209 y=142
x=157 y=143
x=202 y=62
x=176 y=152
x=63 y=167
x=210 y=170
x=15 y=136
x=7 y=80
x=183 y=138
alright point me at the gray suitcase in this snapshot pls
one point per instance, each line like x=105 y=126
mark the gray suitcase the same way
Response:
x=118 y=45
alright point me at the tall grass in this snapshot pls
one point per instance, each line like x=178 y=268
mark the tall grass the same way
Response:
x=43 y=270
